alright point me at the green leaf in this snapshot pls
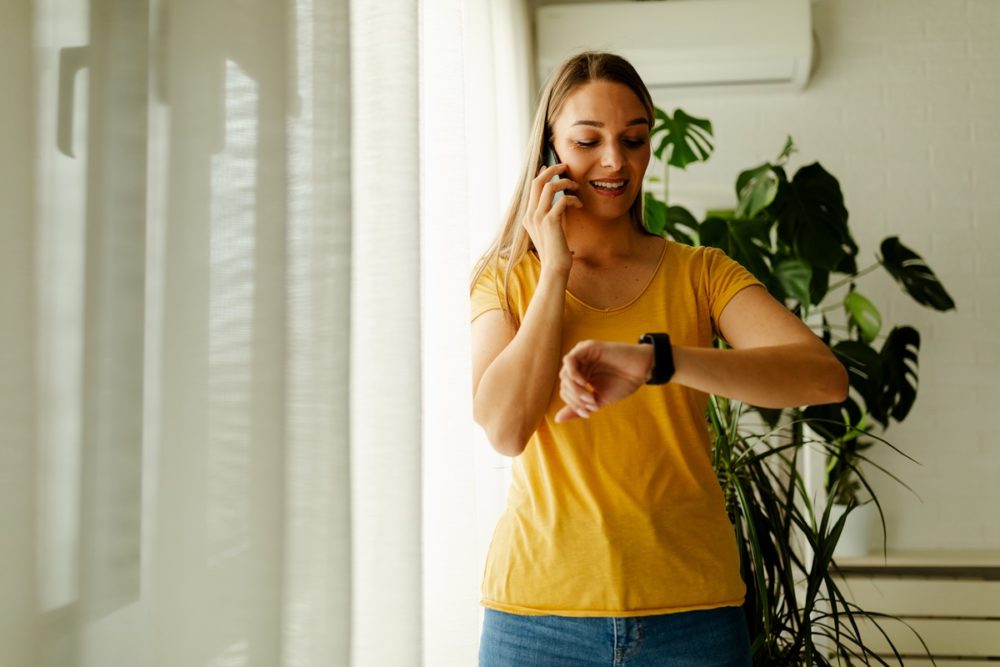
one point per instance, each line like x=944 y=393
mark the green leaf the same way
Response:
x=655 y=214
x=913 y=273
x=724 y=213
x=746 y=241
x=795 y=277
x=863 y=314
x=848 y=265
x=755 y=190
x=674 y=221
x=688 y=138
x=786 y=151
x=681 y=225
x=819 y=285
x=864 y=372
x=812 y=219
x=771 y=416
x=900 y=378
x=834 y=420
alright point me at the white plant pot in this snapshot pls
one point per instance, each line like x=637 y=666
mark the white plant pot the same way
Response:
x=856 y=536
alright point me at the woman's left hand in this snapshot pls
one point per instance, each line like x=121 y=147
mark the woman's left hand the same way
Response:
x=597 y=373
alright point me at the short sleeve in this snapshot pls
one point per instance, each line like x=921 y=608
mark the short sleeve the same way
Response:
x=723 y=279
x=487 y=293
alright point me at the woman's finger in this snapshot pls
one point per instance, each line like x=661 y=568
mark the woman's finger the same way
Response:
x=571 y=400
x=566 y=375
x=555 y=213
x=542 y=179
x=573 y=363
x=565 y=414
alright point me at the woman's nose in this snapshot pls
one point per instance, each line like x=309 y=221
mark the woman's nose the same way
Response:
x=612 y=158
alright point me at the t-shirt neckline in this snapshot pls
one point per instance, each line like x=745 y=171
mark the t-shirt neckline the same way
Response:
x=645 y=288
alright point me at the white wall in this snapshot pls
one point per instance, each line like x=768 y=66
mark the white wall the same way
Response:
x=904 y=109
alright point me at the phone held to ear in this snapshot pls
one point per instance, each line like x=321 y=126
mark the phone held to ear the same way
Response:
x=552 y=159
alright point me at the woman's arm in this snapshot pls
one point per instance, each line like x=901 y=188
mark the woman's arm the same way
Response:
x=776 y=362
x=514 y=371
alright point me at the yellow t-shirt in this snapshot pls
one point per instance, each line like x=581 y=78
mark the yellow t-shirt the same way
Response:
x=621 y=514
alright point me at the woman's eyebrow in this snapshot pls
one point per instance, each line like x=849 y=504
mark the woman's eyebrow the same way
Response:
x=634 y=121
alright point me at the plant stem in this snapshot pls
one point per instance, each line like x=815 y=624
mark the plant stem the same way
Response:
x=842 y=327
x=832 y=307
x=850 y=279
x=666 y=179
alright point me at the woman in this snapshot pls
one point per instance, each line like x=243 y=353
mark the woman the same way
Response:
x=615 y=547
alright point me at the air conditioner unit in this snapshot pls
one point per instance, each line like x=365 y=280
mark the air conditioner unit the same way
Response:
x=687 y=45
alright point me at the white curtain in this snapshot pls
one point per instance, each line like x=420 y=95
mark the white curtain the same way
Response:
x=234 y=382
x=477 y=92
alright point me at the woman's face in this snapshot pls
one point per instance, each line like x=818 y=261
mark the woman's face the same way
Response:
x=602 y=134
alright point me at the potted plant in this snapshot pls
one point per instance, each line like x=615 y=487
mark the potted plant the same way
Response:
x=793 y=235
x=844 y=493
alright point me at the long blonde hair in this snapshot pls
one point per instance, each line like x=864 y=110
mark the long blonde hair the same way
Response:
x=513 y=242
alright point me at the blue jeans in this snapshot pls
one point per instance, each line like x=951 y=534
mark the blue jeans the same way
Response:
x=703 y=638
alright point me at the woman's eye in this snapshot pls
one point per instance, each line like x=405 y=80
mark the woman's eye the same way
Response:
x=635 y=143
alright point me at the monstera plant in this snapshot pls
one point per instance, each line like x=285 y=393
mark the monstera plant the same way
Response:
x=792 y=233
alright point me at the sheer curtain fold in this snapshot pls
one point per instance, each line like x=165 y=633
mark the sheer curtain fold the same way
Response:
x=318 y=572
x=234 y=399
x=18 y=352
x=385 y=334
x=475 y=97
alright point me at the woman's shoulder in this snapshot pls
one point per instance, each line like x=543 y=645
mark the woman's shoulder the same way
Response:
x=523 y=273
x=689 y=251
x=492 y=288
x=681 y=255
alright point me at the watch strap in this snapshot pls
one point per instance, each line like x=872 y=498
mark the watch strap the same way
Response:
x=663 y=357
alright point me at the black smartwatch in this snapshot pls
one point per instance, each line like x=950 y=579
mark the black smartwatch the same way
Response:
x=663 y=357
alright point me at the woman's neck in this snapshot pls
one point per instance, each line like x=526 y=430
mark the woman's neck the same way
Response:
x=602 y=243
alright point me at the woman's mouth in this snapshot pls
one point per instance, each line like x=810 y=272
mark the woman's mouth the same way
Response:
x=609 y=188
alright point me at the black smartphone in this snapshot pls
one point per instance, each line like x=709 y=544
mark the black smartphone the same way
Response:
x=551 y=159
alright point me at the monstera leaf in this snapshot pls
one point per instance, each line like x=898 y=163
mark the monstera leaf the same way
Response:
x=864 y=370
x=674 y=221
x=746 y=241
x=819 y=285
x=755 y=190
x=835 y=420
x=812 y=219
x=688 y=138
x=794 y=276
x=912 y=272
x=899 y=375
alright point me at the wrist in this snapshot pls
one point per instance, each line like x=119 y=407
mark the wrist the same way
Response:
x=552 y=271
x=649 y=360
x=662 y=365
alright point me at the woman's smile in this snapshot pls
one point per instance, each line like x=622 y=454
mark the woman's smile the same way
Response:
x=609 y=188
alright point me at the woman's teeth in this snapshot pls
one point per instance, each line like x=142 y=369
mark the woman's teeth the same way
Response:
x=609 y=188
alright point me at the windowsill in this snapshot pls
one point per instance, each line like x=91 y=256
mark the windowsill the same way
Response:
x=929 y=564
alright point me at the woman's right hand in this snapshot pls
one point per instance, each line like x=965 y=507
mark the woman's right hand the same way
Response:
x=544 y=221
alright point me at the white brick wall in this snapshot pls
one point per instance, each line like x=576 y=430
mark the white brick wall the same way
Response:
x=904 y=109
